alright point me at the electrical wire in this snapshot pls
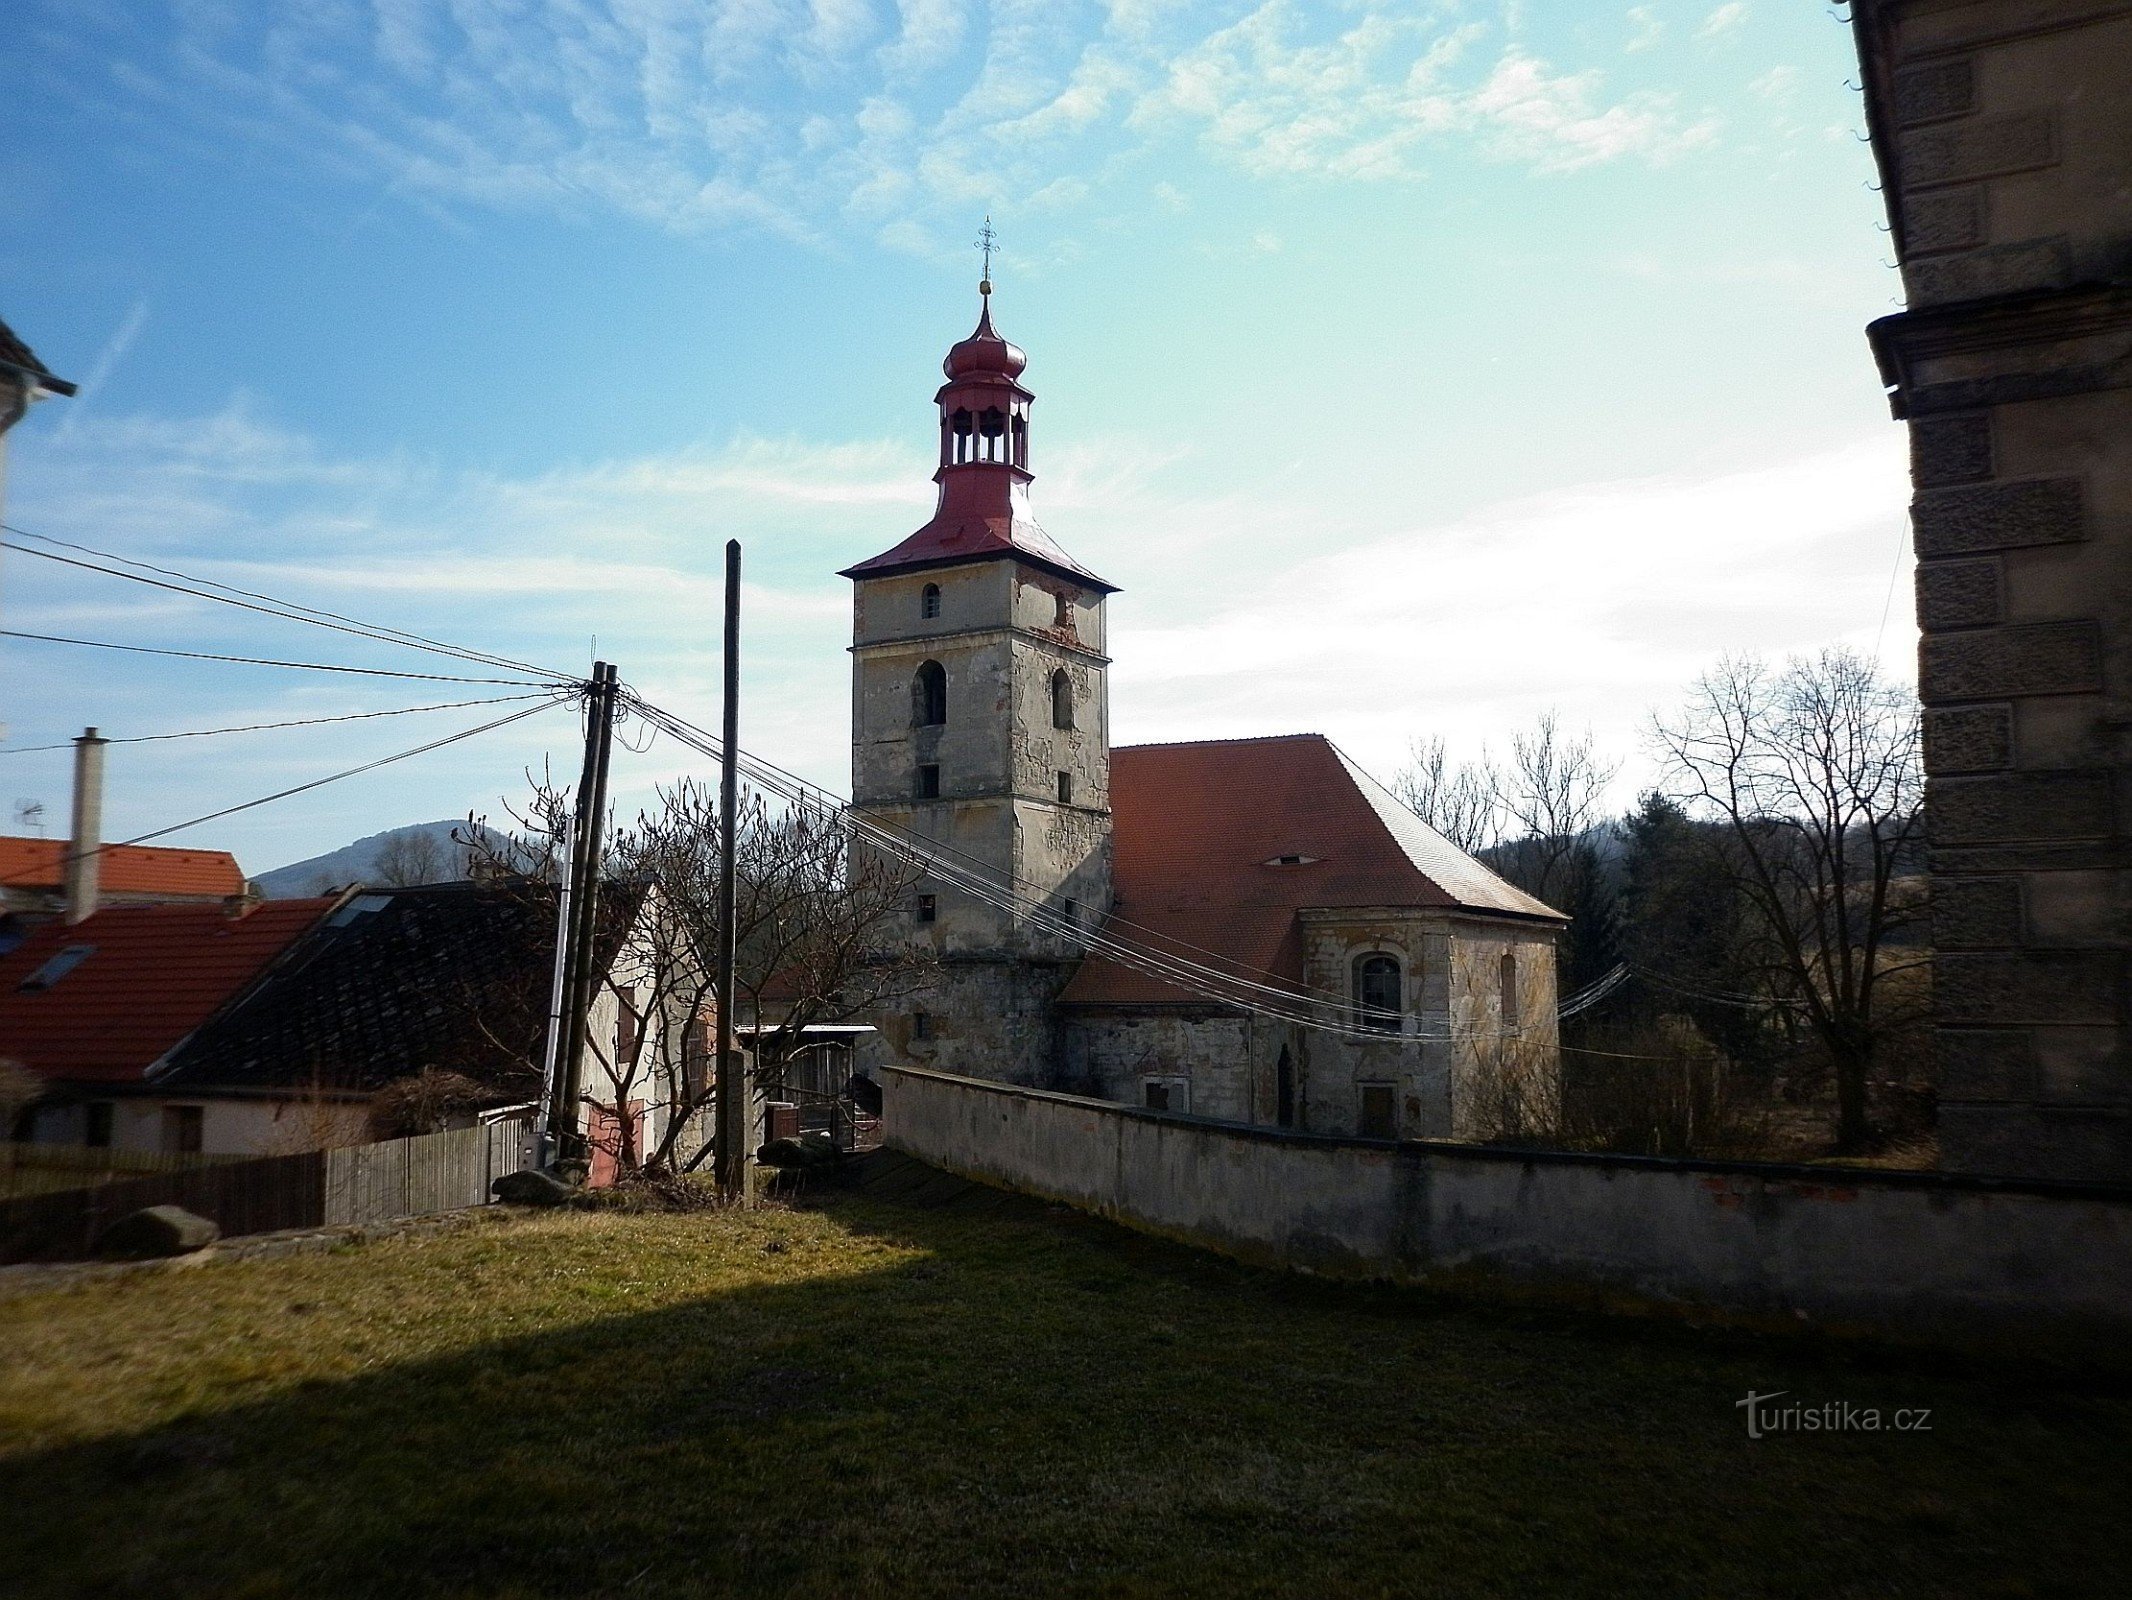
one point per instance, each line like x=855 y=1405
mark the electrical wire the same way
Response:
x=1188 y=976
x=261 y=727
x=266 y=661
x=304 y=788
x=932 y=851
x=288 y=610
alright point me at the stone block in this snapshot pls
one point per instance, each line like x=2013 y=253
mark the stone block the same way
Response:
x=1986 y=1063
x=2082 y=1066
x=2021 y=1141
x=2019 y=805
x=1983 y=148
x=1979 y=274
x=2092 y=907
x=533 y=1188
x=1998 y=516
x=2052 y=986
x=1997 y=663
x=1970 y=739
x=156 y=1231
x=1959 y=594
x=1976 y=913
x=1935 y=90
x=1943 y=219
x=1954 y=449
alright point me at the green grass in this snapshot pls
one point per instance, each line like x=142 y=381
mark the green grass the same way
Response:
x=996 y=1398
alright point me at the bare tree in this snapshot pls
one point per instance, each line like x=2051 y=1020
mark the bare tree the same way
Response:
x=814 y=923
x=1458 y=802
x=408 y=858
x=1814 y=770
x=1548 y=795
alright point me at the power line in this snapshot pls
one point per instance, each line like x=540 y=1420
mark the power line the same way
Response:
x=287 y=610
x=261 y=727
x=1188 y=976
x=265 y=661
x=303 y=788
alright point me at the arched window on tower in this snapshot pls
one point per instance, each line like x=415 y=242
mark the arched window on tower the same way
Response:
x=992 y=429
x=960 y=422
x=1061 y=699
x=1377 y=998
x=929 y=696
x=1507 y=977
x=1021 y=441
x=929 y=601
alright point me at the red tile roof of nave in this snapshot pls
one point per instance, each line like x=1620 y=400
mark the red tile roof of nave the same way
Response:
x=1194 y=828
x=154 y=974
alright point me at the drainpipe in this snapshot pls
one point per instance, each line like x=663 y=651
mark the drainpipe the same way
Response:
x=85 y=839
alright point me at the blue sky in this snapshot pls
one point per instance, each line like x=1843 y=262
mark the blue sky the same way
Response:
x=1413 y=369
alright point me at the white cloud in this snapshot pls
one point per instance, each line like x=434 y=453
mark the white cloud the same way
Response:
x=1725 y=19
x=1371 y=101
x=1778 y=83
x=1649 y=29
x=1602 y=601
x=796 y=117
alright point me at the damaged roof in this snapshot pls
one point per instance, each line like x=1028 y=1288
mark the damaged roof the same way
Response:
x=453 y=976
x=1218 y=846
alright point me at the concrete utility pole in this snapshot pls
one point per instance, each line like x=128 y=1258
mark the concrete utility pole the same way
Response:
x=730 y=1157
x=580 y=964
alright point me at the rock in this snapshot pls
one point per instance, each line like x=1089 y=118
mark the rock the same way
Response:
x=533 y=1188
x=157 y=1231
x=809 y=1150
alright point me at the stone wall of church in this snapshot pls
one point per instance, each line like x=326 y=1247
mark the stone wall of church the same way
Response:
x=983 y=1019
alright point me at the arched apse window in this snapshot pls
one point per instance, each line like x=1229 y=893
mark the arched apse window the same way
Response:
x=929 y=601
x=929 y=696
x=1061 y=699
x=1508 y=978
x=1377 y=998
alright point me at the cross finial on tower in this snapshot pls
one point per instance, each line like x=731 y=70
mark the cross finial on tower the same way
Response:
x=987 y=241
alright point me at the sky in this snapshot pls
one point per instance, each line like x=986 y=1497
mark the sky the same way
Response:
x=1413 y=369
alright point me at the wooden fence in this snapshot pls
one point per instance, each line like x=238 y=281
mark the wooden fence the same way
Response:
x=365 y=1183
x=40 y=1168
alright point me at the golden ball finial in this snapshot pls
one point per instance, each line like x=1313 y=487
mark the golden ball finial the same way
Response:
x=984 y=285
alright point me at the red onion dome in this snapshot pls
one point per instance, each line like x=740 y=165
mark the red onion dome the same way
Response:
x=985 y=353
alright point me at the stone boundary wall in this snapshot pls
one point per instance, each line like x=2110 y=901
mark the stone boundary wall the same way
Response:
x=2026 y=1266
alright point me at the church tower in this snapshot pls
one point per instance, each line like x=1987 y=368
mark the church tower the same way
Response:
x=980 y=722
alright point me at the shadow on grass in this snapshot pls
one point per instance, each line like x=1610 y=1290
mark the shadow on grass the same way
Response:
x=1039 y=1404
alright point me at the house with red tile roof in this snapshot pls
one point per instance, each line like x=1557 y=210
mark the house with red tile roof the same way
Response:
x=92 y=1008
x=33 y=875
x=1252 y=929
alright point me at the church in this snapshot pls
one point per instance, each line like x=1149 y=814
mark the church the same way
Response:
x=1250 y=929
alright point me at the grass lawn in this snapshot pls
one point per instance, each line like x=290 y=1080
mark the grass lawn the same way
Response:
x=990 y=1397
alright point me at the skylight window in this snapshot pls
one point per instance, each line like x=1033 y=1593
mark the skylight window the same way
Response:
x=1292 y=861
x=61 y=963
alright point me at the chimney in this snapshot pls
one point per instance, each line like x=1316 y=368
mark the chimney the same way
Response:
x=85 y=840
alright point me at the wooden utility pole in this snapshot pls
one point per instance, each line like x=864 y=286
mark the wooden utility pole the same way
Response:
x=730 y=1158
x=580 y=966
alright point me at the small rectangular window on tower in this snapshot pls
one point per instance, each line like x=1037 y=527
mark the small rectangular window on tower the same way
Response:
x=929 y=781
x=928 y=908
x=921 y=1025
x=1065 y=788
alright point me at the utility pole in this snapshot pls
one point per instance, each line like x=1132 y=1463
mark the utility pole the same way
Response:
x=730 y=1158
x=579 y=964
